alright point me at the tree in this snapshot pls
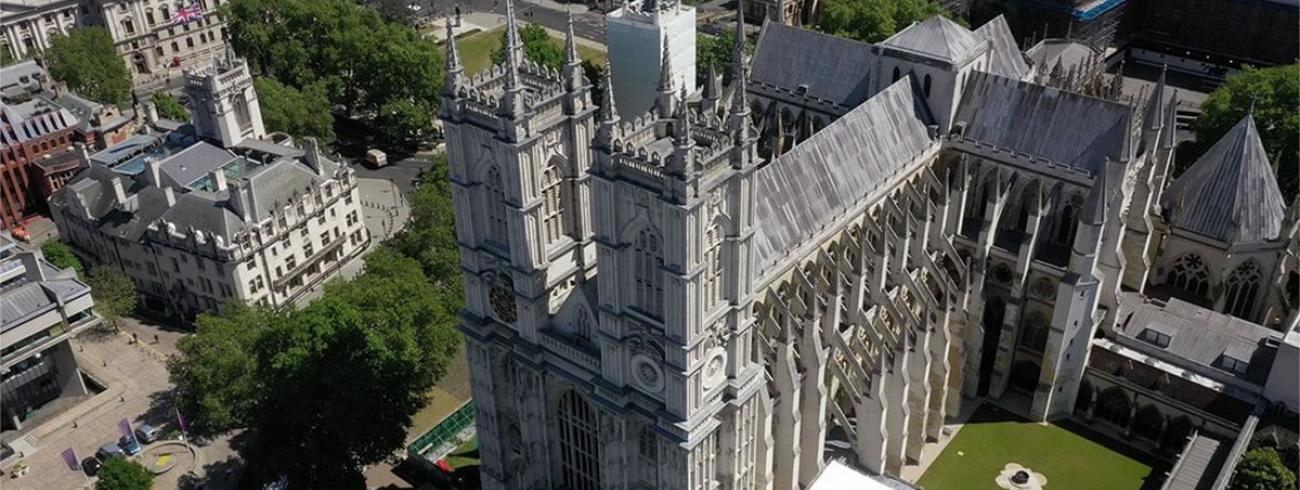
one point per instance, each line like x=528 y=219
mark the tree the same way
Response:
x=1262 y=469
x=404 y=122
x=123 y=474
x=215 y=376
x=114 y=293
x=430 y=237
x=331 y=388
x=595 y=74
x=1275 y=95
x=170 y=108
x=7 y=58
x=300 y=113
x=87 y=62
x=874 y=20
x=539 y=47
x=61 y=255
x=718 y=52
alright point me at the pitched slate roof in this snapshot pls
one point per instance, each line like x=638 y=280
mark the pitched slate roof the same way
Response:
x=833 y=68
x=937 y=37
x=194 y=163
x=819 y=179
x=1200 y=336
x=1045 y=122
x=1005 y=58
x=1230 y=194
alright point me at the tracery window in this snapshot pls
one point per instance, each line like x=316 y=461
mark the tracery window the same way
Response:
x=1035 y=336
x=241 y=112
x=552 y=203
x=579 y=444
x=1190 y=274
x=647 y=256
x=496 y=208
x=1243 y=285
x=713 y=265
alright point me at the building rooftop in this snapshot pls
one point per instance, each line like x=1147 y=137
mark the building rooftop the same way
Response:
x=832 y=68
x=1005 y=58
x=1191 y=336
x=938 y=37
x=34 y=291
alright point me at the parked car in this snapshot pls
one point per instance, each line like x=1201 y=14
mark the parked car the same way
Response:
x=129 y=445
x=376 y=158
x=91 y=466
x=109 y=450
x=146 y=433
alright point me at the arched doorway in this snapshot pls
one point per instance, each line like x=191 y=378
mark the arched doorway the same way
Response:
x=579 y=443
x=1113 y=406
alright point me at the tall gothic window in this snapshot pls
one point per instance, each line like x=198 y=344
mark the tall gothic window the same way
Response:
x=241 y=112
x=552 y=203
x=1068 y=223
x=713 y=265
x=1035 y=335
x=647 y=277
x=1243 y=285
x=579 y=444
x=1190 y=274
x=496 y=208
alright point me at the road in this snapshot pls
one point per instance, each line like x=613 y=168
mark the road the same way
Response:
x=587 y=24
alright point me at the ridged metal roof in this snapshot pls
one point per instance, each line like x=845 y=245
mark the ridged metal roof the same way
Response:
x=1230 y=194
x=1005 y=58
x=816 y=181
x=937 y=37
x=832 y=68
x=1045 y=122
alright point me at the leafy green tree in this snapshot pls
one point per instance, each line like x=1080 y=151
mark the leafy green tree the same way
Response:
x=300 y=113
x=1275 y=94
x=404 y=122
x=1262 y=469
x=718 y=52
x=61 y=255
x=874 y=20
x=539 y=47
x=216 y=380
x=86 y=60
x=170 y=108
x=595 y=74
x=7 y=58
x=430 y=237
x=382 y=332
x=114 y=293
x=124 y=474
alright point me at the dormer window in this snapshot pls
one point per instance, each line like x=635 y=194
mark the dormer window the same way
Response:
x=1233 y=364
x=1155 y=337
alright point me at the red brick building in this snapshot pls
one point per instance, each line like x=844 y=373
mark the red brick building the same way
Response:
x=31 y=131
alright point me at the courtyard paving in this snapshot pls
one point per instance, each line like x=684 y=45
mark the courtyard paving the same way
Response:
x=1069 y=456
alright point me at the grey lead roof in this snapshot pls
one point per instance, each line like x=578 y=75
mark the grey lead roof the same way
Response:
x=1045 y=122
x=817 y=180
x=1230 y=193
x=26 y=298
x=937 y=37
x=1201 y=336
x=195 y=162
x=833 y=68
x=1005 y=58
x=1199 y=464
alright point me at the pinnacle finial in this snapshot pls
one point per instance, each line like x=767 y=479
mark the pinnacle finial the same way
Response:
x=571 y=43
x=666 y=69
x=453 y=54
x=514 y=45
x=607 y=111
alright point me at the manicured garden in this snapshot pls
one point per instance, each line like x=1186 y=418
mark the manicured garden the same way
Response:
x=1069 y=456
x=476 y=50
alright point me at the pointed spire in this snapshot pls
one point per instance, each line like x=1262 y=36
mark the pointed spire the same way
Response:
x=713 y=84
x=573 y=75
x=455 y=70
x=608 y=115
x=570 y=43
x=667 y=97
x=739 y=123
x=511 y=99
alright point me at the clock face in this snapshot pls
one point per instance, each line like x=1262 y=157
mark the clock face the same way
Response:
x=715 y=368
x=647 y=373
x=503 y=303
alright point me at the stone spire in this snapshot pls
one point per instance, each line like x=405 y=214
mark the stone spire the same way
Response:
x=739 y=122
x=607 y=117
x=572 y=63
x=667 y=97
x=512 y=97
x=712 y=90
x=683 y=141
x=455 y=70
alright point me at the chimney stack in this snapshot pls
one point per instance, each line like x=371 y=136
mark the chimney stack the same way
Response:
x=83 y=154
x=119 y=192
x=218 y=180
x=150 y=112
x=170 y=195
x=153 y=171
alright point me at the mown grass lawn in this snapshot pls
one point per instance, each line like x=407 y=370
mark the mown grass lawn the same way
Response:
x=1069 y=457
x=476 y=50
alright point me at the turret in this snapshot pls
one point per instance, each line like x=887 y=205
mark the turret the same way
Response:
x=738 y=123
x=667 y=96
x=455 y=73
x=607 y=117
x=512 y=104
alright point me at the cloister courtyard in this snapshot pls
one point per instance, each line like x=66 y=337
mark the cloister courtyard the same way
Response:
x=1068 y=456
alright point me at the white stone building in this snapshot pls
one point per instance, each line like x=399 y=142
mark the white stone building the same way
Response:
x=209 y=214
x=156 y=47
x=854 y=237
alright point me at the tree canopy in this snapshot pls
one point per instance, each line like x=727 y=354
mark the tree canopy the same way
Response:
x=1262 y=469
x=1275 y=95
x=538 y=47
x=718 y=52
x=364 y=64
x=124 y=474
x=300 y=113
x=328 y=389
x=874 y=20
x=114 y=293
x=170 y=108
x=60 y=254
x=87 y=62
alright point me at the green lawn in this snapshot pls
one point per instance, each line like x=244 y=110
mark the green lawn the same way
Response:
x=476 y=50
x=448 y=395
x=1069 y=459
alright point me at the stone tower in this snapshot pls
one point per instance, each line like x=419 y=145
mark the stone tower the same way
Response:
x=223 y=102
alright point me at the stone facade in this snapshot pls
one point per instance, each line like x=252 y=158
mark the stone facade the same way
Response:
x=691 y=298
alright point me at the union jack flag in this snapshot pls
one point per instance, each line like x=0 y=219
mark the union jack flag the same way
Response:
x=187 y=14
